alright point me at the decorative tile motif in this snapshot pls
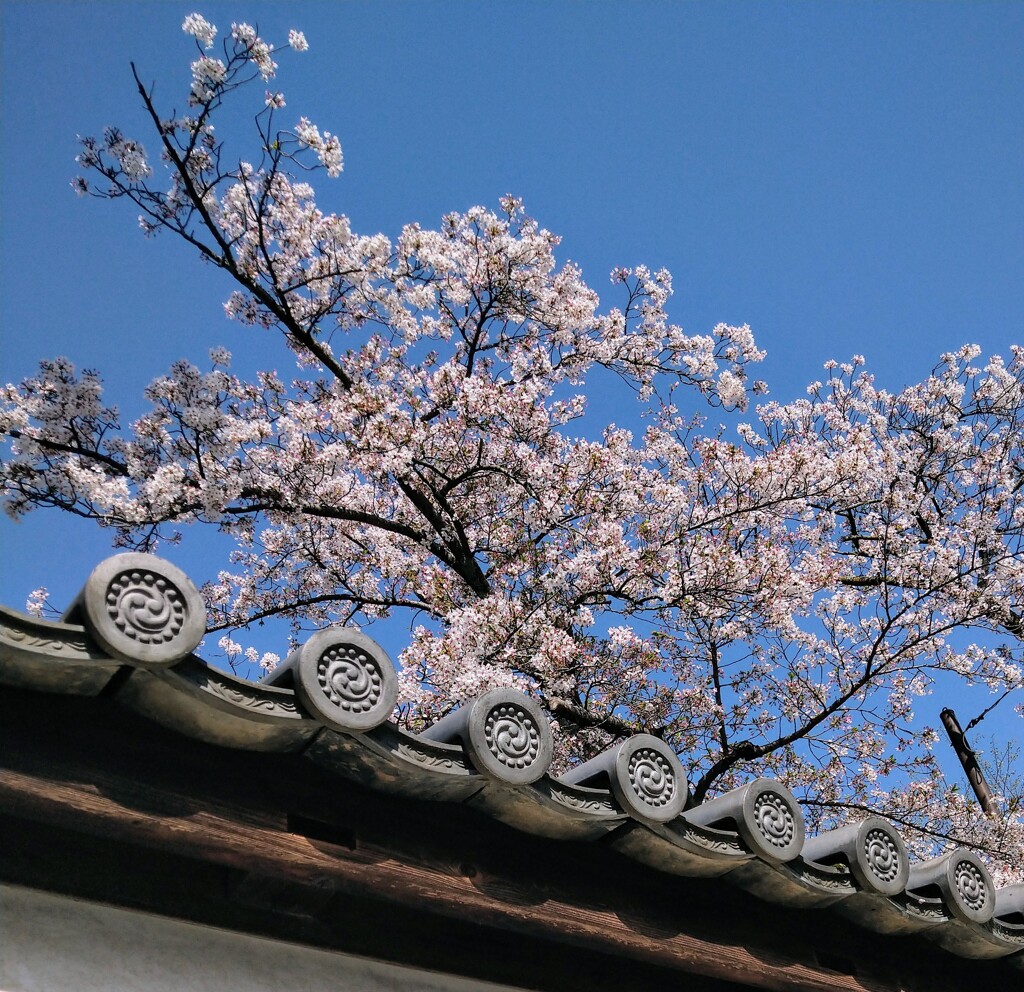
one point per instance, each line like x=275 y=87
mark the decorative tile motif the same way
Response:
x=651 y=777
x=142 y=609
x=970 y=885
x=512 y=736
x=350 y=678
x=774 y=819
x=881 y=854
x=145 y=606
x=344 y=679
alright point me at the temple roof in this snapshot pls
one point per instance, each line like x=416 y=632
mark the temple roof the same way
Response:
x=130 y=637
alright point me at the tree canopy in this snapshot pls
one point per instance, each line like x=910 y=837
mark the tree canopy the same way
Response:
x=768 y=598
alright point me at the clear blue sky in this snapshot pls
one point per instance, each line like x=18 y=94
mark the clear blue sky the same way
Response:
x=845 y=177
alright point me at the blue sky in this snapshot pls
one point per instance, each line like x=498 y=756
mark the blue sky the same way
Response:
x=844 y=177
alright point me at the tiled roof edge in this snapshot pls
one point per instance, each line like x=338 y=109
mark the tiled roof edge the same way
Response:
x=132 y=630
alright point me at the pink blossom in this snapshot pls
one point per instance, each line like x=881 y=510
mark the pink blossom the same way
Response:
x=771 y=599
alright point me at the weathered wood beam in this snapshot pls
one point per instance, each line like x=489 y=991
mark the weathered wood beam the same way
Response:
x=282 y=828
x=212 y=836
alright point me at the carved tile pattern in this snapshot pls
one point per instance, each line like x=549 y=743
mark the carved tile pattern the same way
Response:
x=1012 y=935
x=882 y=855
x=512 y=736
x=145 y=607
x=350 y=678
x=249 y=700
x=12 y=631
x=822 y=879
x=925 y=910
x=774 y=819
x=590 y=805
x=709 y=841
x=970 y=884
x=651 y=777
x=423 y=757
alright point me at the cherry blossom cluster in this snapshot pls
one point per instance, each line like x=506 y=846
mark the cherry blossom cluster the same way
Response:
x=773 y=600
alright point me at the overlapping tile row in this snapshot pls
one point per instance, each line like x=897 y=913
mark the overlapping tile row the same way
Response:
x=138 y=619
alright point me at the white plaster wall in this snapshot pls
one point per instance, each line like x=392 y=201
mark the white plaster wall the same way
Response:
x=51 y=943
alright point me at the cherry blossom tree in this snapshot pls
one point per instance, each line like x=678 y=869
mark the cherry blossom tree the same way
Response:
x=768 y=599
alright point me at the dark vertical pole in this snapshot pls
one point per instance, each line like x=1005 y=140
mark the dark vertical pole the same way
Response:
x=968 y=759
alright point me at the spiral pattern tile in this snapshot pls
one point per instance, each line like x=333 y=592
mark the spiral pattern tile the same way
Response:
x=145 y=606
x=774 y=819
x=512 y=736
x=350 y=678
x=651 y=777
x=970 y=886
x=882 y=855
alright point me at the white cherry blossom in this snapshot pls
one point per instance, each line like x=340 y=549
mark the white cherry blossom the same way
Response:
x=770 y=600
